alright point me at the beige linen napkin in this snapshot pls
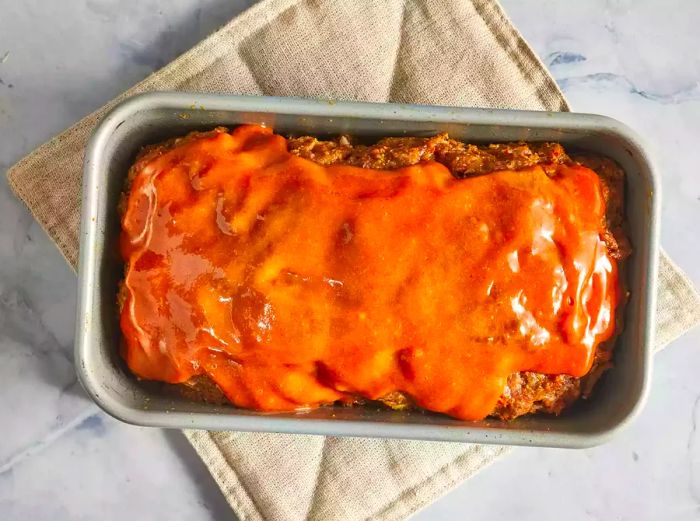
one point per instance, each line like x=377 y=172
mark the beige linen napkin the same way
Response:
x=447 y=52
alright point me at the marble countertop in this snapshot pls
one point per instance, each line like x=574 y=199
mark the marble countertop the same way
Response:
x=61 y=458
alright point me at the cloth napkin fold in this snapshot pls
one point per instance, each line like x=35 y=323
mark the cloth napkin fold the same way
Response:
x=447 y=52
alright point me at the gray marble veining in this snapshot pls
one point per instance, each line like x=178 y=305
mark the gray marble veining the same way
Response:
x=60 y=458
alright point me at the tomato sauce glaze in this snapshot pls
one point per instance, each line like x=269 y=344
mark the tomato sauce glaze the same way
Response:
x=291 y=284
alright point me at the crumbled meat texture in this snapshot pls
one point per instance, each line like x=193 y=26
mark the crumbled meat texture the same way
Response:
x=462 y=159
x=321 y=152
x=613 y=182
x=203 y=389
x=528 y=392
x=524 y=392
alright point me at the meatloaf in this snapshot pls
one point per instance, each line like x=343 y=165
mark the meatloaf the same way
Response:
x=522 y=392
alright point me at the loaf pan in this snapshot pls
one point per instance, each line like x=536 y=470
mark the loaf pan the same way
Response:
x=150 y=118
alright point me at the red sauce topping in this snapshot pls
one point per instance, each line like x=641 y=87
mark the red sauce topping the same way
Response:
x=291 y=284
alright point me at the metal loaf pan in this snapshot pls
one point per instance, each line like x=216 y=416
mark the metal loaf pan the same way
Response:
x=150 y=118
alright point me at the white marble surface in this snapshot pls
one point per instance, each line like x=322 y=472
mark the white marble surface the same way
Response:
x=61 y=459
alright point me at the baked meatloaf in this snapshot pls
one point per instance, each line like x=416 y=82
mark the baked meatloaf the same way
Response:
x=280 y=274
